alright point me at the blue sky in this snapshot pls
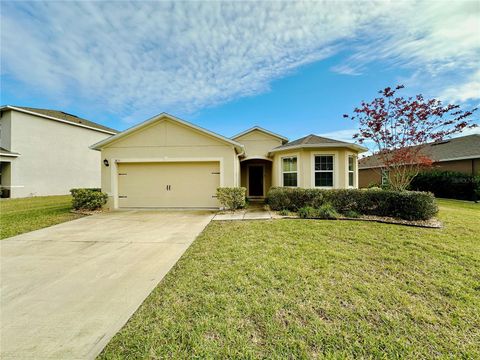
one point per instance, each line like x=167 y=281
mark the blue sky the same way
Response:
x=293 y=68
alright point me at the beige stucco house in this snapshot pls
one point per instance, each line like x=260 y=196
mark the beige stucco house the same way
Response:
x=168 y=162
x=47 y=152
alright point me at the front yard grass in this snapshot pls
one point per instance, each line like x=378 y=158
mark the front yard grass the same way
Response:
x=18 y=216
x=317 y=289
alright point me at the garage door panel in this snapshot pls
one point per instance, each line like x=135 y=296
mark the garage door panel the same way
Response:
x=182 y=184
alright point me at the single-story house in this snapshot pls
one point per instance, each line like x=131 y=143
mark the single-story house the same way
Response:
x=168 y=162
x=460 y=154
x=46 y=152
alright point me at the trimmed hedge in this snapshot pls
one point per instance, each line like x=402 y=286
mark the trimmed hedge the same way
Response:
x=448 y=184
x=232 y=198
x=407 y=205
x=88 y=198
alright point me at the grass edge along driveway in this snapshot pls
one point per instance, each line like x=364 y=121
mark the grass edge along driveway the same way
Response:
x=18 y=216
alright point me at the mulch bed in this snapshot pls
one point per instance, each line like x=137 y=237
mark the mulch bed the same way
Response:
x=431 y=223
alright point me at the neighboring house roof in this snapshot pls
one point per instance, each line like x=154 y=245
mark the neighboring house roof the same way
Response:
x=5 y=152
x=317 y=141
x=258 y=128
x=102 y=144
x=461 y=148
x=61 y=116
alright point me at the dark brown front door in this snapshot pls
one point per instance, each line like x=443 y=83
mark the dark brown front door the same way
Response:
x=255 y=180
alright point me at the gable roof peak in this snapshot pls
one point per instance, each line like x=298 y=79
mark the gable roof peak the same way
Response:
x=259 y=128
x=156 y=118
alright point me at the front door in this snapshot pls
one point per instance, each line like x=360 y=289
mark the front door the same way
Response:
x=255 y=180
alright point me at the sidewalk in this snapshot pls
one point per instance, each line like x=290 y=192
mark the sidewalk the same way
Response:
x=254 y=211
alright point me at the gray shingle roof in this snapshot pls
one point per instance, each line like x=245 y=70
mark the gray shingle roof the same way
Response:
x=311 y=140
x=465 y=147
x=67 y=117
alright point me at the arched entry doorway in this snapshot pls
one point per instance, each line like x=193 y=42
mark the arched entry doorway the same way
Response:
x=256 y=176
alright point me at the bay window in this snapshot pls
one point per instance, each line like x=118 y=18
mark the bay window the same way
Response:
x=323 y=170
x=351 y=171
x=289 y=171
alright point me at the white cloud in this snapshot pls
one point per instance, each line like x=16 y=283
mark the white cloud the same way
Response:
x=343 y=135
x=439 y=41
x=471 y=131
x=141 y=58
x=464 y=91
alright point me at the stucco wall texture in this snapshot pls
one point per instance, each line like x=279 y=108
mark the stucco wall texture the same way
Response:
x=54 y=156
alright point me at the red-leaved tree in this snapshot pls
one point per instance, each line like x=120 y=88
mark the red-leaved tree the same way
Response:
x=399 y=127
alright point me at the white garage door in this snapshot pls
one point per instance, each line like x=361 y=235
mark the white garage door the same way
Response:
x=169 y=184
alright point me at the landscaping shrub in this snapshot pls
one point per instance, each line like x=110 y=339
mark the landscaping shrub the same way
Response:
x=232 y=198
x=284 y=212
x=307 y=212
x=448 y=184
x=88 y=199
x=325 y=211
x=408 y=205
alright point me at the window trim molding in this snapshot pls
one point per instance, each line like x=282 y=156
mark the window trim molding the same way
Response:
x=296 y=155
x=355 y=171
x=335 y=170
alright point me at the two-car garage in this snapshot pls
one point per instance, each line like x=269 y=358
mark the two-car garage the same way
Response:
x=168 y=184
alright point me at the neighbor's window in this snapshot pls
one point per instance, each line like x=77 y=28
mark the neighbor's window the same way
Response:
x=351 y=171
x=289 y=169
x=324 y=170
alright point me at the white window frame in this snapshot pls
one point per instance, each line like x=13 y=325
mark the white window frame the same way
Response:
x=289 y=172
x=335 y=169
x=353 y=157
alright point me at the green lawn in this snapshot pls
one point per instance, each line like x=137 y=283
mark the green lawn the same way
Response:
x=317 y=289
x=18 y=216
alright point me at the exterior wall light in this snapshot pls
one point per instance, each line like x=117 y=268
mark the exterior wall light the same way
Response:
x=105 y=162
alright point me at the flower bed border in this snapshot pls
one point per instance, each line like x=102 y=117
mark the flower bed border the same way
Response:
x=433 y=223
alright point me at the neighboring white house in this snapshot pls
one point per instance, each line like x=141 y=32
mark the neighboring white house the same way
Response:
x=46 y=152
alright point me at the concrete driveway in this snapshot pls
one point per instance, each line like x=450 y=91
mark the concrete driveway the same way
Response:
x=67 y=289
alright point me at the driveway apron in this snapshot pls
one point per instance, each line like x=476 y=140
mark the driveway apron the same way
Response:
x=67 y=289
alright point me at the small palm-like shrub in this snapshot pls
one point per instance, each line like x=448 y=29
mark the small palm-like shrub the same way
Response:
x=325 y=211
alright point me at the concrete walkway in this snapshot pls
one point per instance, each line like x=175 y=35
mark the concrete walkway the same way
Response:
x=67 y=289
x=255 y=211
